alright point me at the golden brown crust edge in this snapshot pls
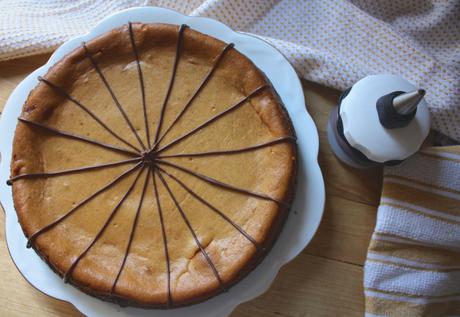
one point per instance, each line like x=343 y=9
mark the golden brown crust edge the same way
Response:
x=75 y=63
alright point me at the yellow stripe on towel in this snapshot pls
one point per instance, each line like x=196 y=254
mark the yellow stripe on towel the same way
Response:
x=387 y=305
x=413 y=261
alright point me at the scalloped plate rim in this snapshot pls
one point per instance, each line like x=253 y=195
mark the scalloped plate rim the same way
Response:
x=223 y=304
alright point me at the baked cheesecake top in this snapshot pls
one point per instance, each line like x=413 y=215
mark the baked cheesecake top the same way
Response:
x=153 y=166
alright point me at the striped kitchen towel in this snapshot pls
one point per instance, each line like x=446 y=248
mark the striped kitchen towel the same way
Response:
x=413 y=261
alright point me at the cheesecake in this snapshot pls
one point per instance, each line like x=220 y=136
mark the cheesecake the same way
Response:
x=153 y=166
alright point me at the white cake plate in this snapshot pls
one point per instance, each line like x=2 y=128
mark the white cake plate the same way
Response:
x=305 y=214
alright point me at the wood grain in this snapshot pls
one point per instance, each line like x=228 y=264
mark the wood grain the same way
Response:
x=324 y=280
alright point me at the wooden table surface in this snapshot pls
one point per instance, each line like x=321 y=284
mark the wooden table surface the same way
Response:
x=324 y=280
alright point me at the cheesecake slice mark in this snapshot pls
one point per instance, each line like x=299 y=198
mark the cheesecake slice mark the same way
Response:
x=165 y=239
x=197 y=241
x=141 y=81
x=77 y=137
x=80 y=204
x=241 y=102
x=70 y=171
x=132 y=232
x=213 y=208
x=115 y=99
x=234 y=151
x=72 y=267
x=63 y=93
x=203 y=83
x=180 y=38
x=218 y=183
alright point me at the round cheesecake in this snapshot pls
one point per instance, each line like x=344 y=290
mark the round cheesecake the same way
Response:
x=153 y=166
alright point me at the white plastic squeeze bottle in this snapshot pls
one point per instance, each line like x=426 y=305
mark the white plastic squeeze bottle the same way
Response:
x=382 y=119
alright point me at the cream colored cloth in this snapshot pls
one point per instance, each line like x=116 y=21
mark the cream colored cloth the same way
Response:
x=413 y=261
x=332 y=42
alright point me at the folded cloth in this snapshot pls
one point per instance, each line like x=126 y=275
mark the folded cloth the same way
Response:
x=334 y=42
x=413 y=261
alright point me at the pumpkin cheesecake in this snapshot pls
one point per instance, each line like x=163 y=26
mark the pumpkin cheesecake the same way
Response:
x=153 y=166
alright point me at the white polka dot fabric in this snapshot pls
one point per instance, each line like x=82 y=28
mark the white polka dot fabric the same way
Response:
x=334 y=42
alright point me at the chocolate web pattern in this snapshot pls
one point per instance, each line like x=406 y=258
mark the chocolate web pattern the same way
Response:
x=149 y=158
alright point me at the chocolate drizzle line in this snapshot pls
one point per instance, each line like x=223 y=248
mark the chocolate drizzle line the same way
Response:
x=151 y=160
x=81 y=203
x=89 y=112
x=203 y=83
x=208 y=204
x=73 y=170
x=187 y=222
x=216 y=117
x=141 y=80
x=165 y=239
x=236 y=151
x=171 y=80
x=219 y=183
x=115 y=99
x=131 y=234
x=68 y=273
x=77 y=137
